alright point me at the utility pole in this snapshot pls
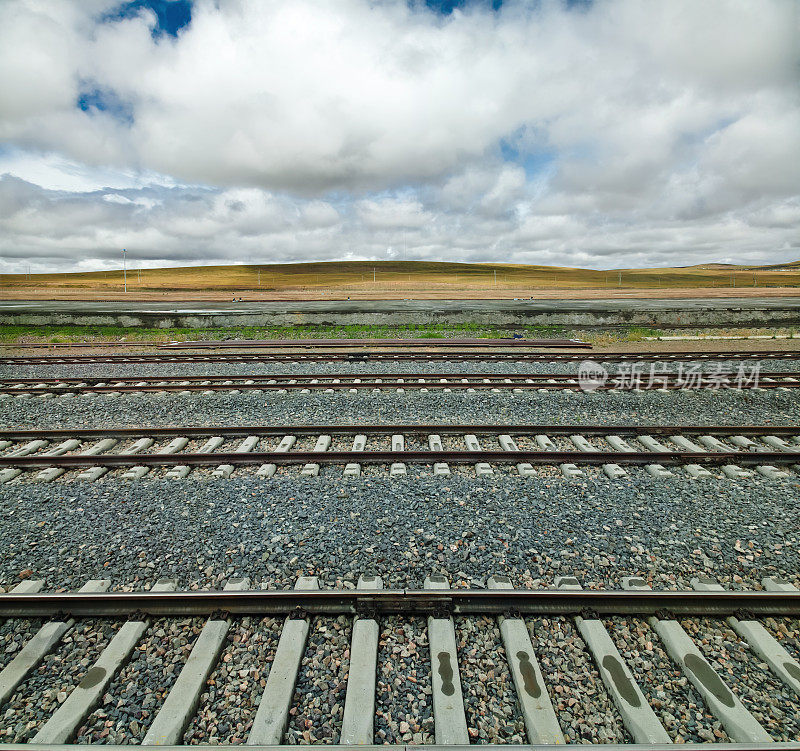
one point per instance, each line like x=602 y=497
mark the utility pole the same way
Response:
x=373 y=275
x=139 y=276
x=124 y=269
x=495 y=277
x=259 y=277
x=620 y=278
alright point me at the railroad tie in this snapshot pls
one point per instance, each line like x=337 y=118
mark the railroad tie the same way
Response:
x=50 y=473
x=655 y=470
x=435 y=444
x=723 y=703
x=541 y=723
x=507 y=443
x=268 y=470
x=9 y=473
x=85 y=696
x=612 y=471
x=449 y=719
x=359 y=702
x=695 y=471
x=482 y=469
x=398 y=444
x=742 y=442
x=353 y=469
x=93 y=473
x=713 y=443
x=179 y=471
x=760 y=640
x=323 y=444
x=638 y=716
x=40 y=644
x=272 y=715
x=567 y=469
x=777 y=443
x=246 y=446
x=175 y=445
x=181 y=702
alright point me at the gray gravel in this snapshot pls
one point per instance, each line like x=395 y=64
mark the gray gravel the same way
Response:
x=48 y=686
x=584 y=709
x=14 y=633
x=318 y=702
x=228 y=705
x=553 y=408
x=403 y=696
x=120 y=370
x=137 y=692
x=787 y=632
x=533 y=529
x=676 y=703
x=773 y=704
x=490 y=699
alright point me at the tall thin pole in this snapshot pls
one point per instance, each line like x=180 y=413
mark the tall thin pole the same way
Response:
x=124 y=269
x=373 y=275
x=495 y=277
x=259 y=277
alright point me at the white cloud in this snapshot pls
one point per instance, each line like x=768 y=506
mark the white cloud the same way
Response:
x=316 y=128
x=392 y=213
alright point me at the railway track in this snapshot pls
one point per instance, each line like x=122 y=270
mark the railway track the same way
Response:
x=515 y=612
x=443 y=343
x=398 y=355
x=734 y=452
x=386 y=381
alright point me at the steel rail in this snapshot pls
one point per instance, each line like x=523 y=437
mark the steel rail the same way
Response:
x=659 y=382
x=408 y=457
x=409 y=377
x=773 y=746
x=338 y=343
x=398 y=355
x=236 y=431
x=401 y=601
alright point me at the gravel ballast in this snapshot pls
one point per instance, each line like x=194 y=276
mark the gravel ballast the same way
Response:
x=412 y=406
x=48 y=686
x=203 y=531
x=273 y=531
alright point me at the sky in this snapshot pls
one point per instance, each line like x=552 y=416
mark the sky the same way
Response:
x=591 y=133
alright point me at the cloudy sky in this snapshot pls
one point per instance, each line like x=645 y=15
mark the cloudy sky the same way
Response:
x=612 y=133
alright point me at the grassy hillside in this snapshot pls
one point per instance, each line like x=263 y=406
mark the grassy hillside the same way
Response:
x=359 y=277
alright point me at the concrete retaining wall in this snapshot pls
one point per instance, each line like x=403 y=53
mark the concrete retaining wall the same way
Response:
x=567 y=313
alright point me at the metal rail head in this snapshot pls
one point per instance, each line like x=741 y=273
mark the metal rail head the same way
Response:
x=401 y=601
x=410 y=457
x=235 y=431
x=363 y=355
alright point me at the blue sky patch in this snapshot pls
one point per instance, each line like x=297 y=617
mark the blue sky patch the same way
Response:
x=171 y=15
x=93 y=98
x=533 y=162
x=446 y=7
